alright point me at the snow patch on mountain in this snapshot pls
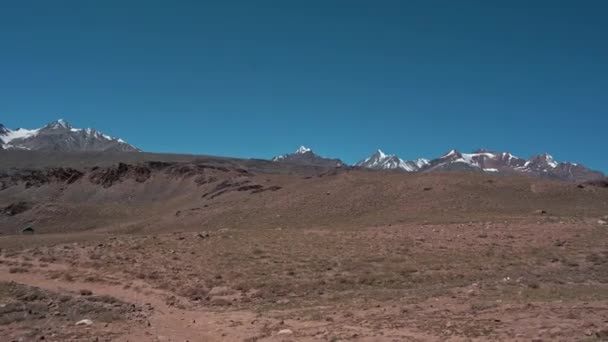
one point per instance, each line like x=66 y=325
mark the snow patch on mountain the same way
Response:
x=421 y=162
x=20 y=133
x=303 y=149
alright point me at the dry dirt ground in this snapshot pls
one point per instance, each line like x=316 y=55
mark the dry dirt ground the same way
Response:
x=243 y=252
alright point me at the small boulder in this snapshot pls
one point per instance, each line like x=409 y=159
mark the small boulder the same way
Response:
x=540 y=212
x=85 y=322
x=285 y=332
x=602 y=222
x=203 y=235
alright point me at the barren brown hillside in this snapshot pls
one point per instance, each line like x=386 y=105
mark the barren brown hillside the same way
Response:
x=209 y=249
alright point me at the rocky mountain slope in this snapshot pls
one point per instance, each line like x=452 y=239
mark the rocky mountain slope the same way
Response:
x=233 y=193
x=62 y=137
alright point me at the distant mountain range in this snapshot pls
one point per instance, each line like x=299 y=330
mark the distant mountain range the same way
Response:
x=542 y=165
x=62 y=137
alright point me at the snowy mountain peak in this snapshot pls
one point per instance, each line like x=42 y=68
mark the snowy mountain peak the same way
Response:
x=551 y=161
x=59 y=124
x=63 y=123
x=303 y=149
x=541 y=162
x=380 y=154
x=451 y=153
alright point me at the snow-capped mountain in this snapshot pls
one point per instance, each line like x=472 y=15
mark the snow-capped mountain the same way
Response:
x=483 y=160
x=381 y=161
x=543 y=165
x=61 y=136
x=306 y=156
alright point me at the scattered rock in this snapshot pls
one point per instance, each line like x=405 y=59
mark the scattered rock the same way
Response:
x=285 y=332
x=86 y=322
x=203 y=235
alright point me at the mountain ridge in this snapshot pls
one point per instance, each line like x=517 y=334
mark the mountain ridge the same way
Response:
x=61 y=136
x=543 y=165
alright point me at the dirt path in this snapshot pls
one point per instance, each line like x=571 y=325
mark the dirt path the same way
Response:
x=166 y=323
x=172 y=323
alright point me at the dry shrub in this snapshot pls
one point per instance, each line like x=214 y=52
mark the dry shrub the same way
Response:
x=18 y=270
x=85 y=292
x=194 y=292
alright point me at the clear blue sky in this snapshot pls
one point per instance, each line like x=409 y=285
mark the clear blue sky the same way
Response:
x=258 y=78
